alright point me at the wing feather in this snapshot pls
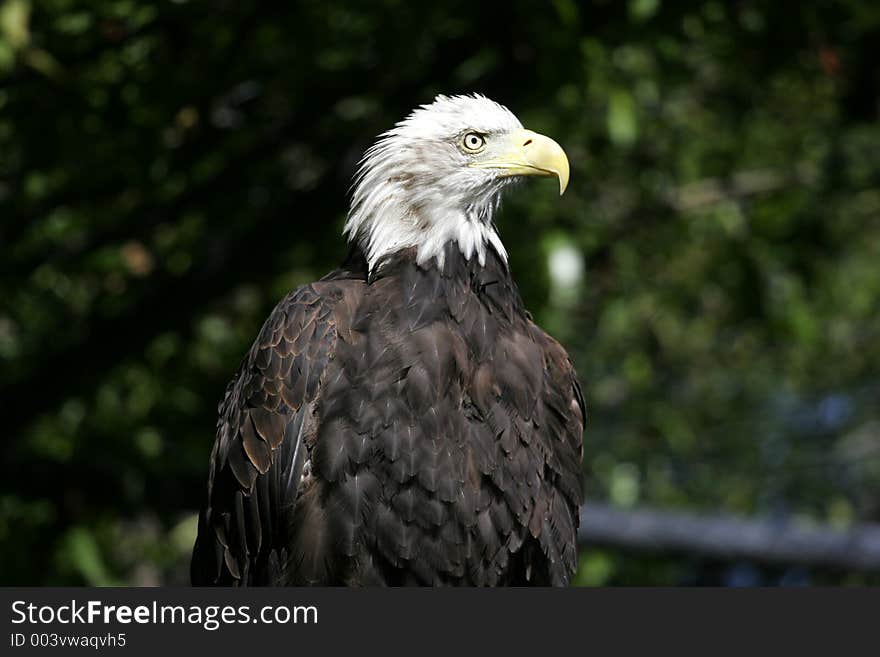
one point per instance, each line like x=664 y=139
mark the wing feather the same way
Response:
x=262 y=445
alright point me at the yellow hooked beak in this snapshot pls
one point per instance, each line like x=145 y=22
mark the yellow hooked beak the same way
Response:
x=527 y=153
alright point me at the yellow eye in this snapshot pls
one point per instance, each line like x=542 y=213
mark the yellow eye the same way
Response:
x=473 y=142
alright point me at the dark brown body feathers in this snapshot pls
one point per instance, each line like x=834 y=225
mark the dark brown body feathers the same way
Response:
x=414 y=428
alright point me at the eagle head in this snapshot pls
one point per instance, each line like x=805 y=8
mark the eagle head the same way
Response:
x=436 y=177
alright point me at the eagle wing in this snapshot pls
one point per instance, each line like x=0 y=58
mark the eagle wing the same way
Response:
x=564 y=419
x=265 y=431
x=538 y=421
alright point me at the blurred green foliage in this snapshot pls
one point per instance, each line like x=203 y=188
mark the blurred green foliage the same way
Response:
x=168 y=170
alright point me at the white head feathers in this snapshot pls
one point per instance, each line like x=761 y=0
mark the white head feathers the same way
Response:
x=414 y=187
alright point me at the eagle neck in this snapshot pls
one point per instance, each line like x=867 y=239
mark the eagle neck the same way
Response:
x=459 y=278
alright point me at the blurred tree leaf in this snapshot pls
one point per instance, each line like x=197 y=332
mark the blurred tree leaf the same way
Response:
x=623 y=126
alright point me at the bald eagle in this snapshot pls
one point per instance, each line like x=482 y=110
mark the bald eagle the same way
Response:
x=403 y=420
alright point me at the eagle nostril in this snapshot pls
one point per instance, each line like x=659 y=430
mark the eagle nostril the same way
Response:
x=528 y=141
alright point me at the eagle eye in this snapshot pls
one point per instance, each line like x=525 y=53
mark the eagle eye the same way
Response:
x=473 y=142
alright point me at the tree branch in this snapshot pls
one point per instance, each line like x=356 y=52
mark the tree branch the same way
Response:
x=730 y=537
x=738 y=186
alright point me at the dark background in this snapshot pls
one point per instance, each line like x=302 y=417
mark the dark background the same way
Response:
x=169 y=170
